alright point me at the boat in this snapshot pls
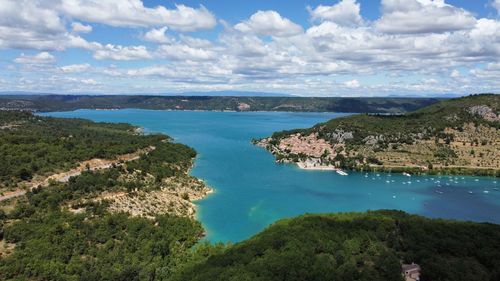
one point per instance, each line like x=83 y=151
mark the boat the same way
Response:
x=342 y=173
x=406 y=174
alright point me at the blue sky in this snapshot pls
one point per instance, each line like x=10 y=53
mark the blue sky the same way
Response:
x=309 y=48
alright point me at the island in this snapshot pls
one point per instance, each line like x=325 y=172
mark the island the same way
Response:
x=456 y=136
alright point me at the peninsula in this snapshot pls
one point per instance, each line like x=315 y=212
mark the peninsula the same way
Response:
x=457 y=136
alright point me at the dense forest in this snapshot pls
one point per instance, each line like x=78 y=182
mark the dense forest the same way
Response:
x=358 y=246
x=453 y=136
x=33 y=145
x=298 y=104
x=64 y=231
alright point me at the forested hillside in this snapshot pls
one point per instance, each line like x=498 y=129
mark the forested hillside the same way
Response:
x=298 y=104
x=453 y=136
x=33 y=145
x=358 y=246
x=130 y=221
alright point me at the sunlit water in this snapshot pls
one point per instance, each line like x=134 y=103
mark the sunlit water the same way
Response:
x=252 y=191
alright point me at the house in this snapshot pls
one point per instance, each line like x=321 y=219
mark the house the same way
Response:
x=411 y=272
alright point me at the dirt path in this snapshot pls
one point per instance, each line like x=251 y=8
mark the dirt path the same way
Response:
x=92 y=165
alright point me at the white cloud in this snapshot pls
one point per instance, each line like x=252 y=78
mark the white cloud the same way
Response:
x=72 y=68
x=496 y=5
x=26 y=24
x=455 y=74
x=184 y=52
x=157 y=35
x=78 y=27
x=132 y=13
x=266 y=52
x=352 y=84
x=422 y=16
x=40 y=58
x=112 y=52
x=491 y=71
x=89 y=81
x=346 y=12
x=269 y=23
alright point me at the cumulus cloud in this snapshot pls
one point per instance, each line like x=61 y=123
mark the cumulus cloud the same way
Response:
x=346 y=12
x=26 y=24
x=422 y=16
x=40 y=25
x=78 y=27
x=73 y=68
x=266 y=52
x=455 y=74
x=353 y=84
x=157 y=35
x=496 y=5
x=269 y=23
x=40 y=58
x=112 y=52
x=126 y=13
x=89 y=81
x=184 y=52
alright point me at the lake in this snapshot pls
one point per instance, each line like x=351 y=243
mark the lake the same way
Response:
x=252 y=191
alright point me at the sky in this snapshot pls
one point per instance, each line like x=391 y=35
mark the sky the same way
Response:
x=298 y=47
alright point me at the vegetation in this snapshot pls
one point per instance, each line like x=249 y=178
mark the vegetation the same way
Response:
x=63 y=232
x=441 y=134
x=358 y=105
x=357 y=246
x=32 y=145
x=58 y=245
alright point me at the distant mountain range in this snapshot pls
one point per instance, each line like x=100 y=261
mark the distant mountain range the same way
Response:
x=224 y=94
x=40 y=102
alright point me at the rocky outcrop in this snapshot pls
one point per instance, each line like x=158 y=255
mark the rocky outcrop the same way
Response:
x=484 y=112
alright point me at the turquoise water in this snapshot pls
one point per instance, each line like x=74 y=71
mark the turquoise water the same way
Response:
x=252 y=191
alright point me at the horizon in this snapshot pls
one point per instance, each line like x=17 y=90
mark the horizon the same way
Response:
x=243 y=94
x=315 y=48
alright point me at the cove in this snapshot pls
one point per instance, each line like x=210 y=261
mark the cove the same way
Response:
x=252 y=191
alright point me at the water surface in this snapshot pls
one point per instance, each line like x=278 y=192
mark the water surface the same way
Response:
x=252 y=191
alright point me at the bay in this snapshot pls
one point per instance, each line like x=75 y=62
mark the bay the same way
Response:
x=252 y=191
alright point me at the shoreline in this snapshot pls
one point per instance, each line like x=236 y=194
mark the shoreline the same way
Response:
x=314 y=167
x=463 y=171
x=199 y=110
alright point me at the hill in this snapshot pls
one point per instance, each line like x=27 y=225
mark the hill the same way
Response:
x=357 y=246
x=219 y=103
x=130 y=219
x=453 y=136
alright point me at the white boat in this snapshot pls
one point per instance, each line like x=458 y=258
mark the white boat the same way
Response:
x=406 y=174
x=342 y=173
